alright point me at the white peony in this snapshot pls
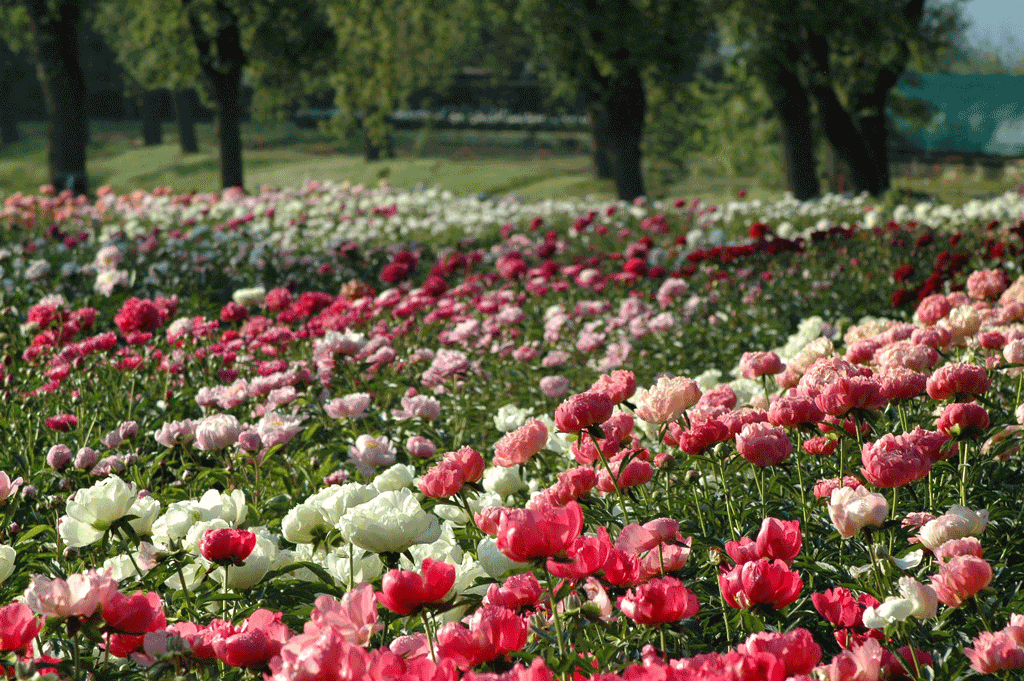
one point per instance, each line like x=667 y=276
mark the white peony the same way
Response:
x=94 y=509
x=390 y=522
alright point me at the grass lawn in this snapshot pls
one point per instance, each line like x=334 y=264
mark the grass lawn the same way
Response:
x=546 y=165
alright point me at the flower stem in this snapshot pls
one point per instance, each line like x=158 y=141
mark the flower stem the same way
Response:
x=554 y=613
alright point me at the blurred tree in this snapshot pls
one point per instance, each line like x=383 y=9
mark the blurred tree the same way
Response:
x=50 y=29
x=152 y=48
x=611 y=53
x=210 y=45
x=719 y=125
x=846 y=63
x=385 y=50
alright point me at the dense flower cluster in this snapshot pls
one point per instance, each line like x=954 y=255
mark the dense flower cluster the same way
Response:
x=337 y=433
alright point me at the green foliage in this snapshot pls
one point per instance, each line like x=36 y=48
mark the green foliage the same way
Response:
x=574 y=41
x=386 y=50
x=716 y=126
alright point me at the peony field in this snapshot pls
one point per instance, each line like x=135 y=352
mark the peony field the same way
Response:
x=344 y=433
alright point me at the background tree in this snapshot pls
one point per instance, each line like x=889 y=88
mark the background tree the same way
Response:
x=51 y=30
x=213 y=44
x=387 y=49
x=836 y=71
x=149 y=47
x=610 y=53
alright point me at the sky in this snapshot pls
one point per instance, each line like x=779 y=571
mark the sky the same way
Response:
x=999 y=22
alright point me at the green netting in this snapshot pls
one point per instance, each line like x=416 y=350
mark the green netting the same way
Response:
x=973 y=113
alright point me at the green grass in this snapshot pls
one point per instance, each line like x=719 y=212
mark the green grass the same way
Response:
x=541 y=166
x=492 y=163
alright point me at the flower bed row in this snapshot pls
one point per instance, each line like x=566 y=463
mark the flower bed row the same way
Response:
x=590 y=445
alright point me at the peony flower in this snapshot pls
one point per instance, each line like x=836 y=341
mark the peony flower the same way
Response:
x=853 y=509
x=997 y=651
x=891 y=461
x=763 y=444
x=660 y=601
x=227 y=546
x=94 y=509
x=619 y=385
x=554 y=387
x=355 y=615
x=389 y=523
x=8 y=487
x=959 y=381
x=249 y=297
x=960 y=578
x=469 y=460
x=795 y=650
x=583 y=410
x=176 y=433
x=347 y=406
x=525 y=535
x=956 y=523
x=760 y=582
x=81 y=595
x=259 y=639
x=218 y=431
x=667 y=400
x=443 y=480
x=18 y=628
x=757 y=364
x=136 y=614
x=58 y=457
x=915 y=600
x=403 y=591
x=7 y=556
x=966 y=419
x=420 y=447
x=520 y=445
x=369 y=453
x=778 y=540
x=62 y=422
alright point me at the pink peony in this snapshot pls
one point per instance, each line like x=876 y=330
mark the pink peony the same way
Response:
x=583 y=410
x=891 y=461
x=763 y=444
x=520 y=445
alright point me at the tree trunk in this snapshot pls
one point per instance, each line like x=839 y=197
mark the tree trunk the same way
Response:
x=185 y=121
x=222 y=59
x=60 y=73
x=602 y=141
x=876 y=133
x=373 y=148
x=8 y=124
x=793 y=109
x=849 y=142
x=229 y=132
x=626 y=107
x=152 y=125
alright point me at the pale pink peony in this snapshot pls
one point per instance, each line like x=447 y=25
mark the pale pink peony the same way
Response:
x=667 y=400
x=8 y=487
x=853 y=509
x=757 y=364
x=218 y=431
x=347 y=406
x=521 y=444
x=81 y=595
x=958 y=522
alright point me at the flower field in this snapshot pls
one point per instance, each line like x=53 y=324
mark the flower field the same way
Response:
x=348 y=433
